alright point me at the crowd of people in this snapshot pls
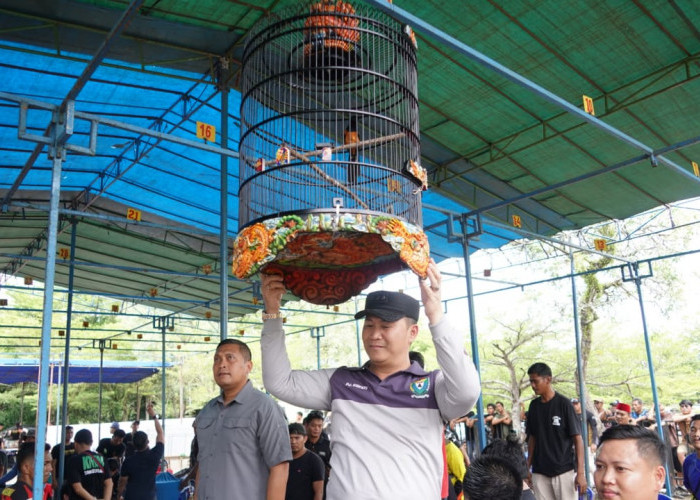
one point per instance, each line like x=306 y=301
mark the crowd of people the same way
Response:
x=392 y=429
x=122 y=467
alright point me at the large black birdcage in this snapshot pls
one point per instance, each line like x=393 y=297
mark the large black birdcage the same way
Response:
x=329 y=115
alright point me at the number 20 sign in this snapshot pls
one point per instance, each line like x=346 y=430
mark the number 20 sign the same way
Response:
x=206 y=131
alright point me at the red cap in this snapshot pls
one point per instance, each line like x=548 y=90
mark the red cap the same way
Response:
x=624 y=407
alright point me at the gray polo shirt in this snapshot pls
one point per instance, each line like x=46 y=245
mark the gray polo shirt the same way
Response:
x=238 y=444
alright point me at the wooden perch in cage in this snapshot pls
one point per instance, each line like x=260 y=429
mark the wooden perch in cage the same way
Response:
x=360 y=144
x=370 y=142
x=325 y=176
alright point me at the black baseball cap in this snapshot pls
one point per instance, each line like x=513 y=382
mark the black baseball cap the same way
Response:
x=390 y=306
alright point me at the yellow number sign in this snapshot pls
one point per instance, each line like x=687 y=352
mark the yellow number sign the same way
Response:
x=133 y=214
x=206 y=131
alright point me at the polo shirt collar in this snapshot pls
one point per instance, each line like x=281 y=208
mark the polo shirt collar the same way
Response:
x=242 y=397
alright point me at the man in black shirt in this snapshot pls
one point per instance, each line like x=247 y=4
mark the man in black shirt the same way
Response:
x=306 y=470
x=56 y=452
x=318 y=442
x=129 y=437
x=138 y=474
x=552 y=430
x=113 y=447
x=85 y=472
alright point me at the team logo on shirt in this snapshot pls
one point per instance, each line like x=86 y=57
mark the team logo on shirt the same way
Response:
x=556 y=421
x=420 y=388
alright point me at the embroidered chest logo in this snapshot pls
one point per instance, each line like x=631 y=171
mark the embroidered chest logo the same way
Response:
x=556 y=421
x=419 y=388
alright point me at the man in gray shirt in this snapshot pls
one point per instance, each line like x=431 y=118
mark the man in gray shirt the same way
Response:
x=242 y=435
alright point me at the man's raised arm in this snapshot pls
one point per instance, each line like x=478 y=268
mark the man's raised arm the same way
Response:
x=308 y=389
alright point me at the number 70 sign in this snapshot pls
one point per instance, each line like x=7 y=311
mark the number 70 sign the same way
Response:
x=206 y=131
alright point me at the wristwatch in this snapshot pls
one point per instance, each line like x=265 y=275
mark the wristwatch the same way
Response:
x=266 y=316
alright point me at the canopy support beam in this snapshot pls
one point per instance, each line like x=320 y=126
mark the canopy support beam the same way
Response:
x=463 y=238
x=632 y=272
x=420 y=25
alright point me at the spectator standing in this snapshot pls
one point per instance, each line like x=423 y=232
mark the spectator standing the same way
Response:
x=622 y=414
x=387 y=414
x=682 y=425
x=318 y=442
x=629 y=464
x=591 y=424
x=306 y=470
x=69 y=450
x=691 y=465
x=86 y=475
x=605 y=416
x=501 y=423
x=129 y=437
x=488 y=419
x=113 y=447
x=639 y=414
x=22 y=489
x=138 y=473
x=552 y=429
x=456 y=468
x=242 y=434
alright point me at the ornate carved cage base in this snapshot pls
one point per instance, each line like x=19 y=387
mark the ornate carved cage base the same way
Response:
x=326 y=258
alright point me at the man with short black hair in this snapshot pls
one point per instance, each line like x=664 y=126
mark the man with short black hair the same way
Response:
x=242 y=434
x=387 y=414
x=639 y=414
x=86 y=477
x=318 y=442
x=491 y=477
x=501 y=423
x=113 y=447
x=306 y=470
x=629 y=464
x=22 y=489
x=138 y=472
x=69 y=449
x=552 y=430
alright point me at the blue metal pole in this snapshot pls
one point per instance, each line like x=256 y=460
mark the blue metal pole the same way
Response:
x=99 y=397
x=472 y=331
x=579 y=366
x=223 y=236
x=318 y=348
x=66 y=356
x=49 y=280
x=162 y=380
x=420 y=25
x=634 y=273
x=357 y=337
